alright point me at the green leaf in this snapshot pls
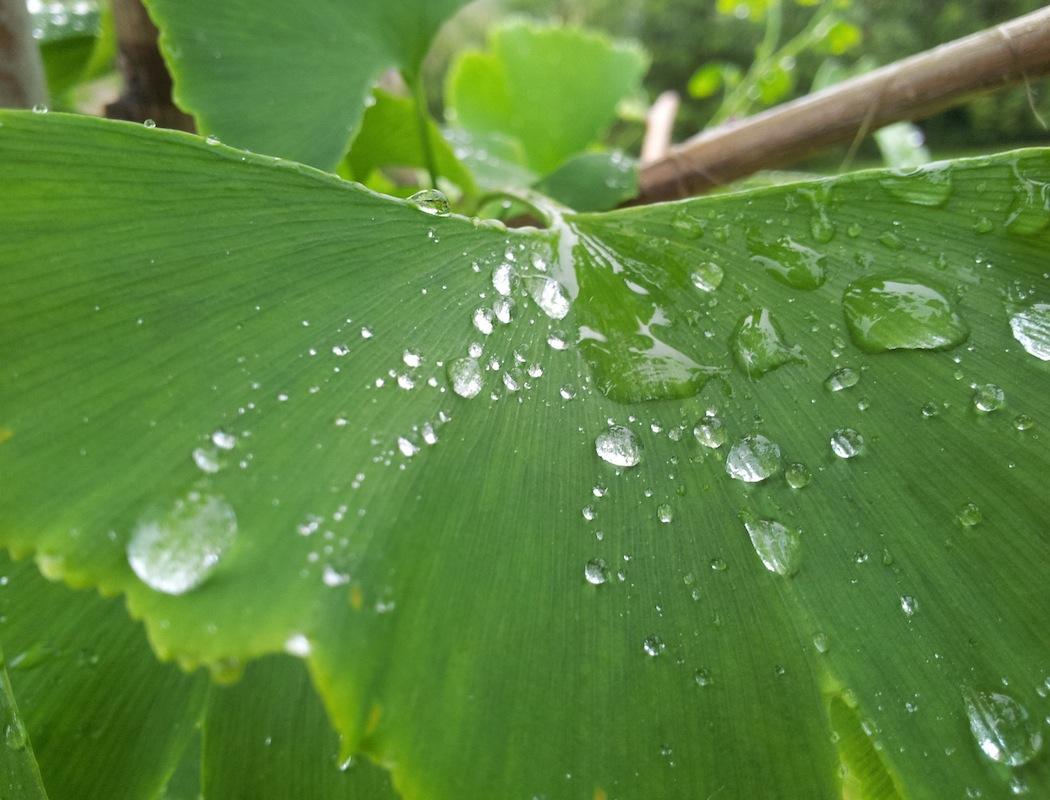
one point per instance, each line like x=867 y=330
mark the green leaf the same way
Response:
x=289 y=79
x=281 y=750
x=19 y=774
x=77 y=42
x=593 y=181
x=176 y=322
x=552 y=89
x=389 y=137
x=711 y=77
x=106 y=720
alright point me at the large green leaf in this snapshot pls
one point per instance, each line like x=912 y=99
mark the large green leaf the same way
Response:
x=105 y=718
x=234 y=371
x=290 y=79
x=553 y=90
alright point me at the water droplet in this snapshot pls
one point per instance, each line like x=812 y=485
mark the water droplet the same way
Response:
x=897 y=313
x=909 y=605
x=1001 y=727
x=969 y=515
x=366 y=333
x=567 y=392
x=702 y=677
x=820 y=642
x=923 y=186
x=840 y=379
x=797 y=475
x=778 y=546
x=503 y=308
x=431 y=201
x=224 y=440
x=148 y=123
x=718 y=565
x=758 y=344
x=411 y=359
x=988 y=397
x=407 y=447
x=550 y=296
x=465 y=376
x=847 y=443
x=665 y=513
x=754 y=458
x=1023 y=422
x=206 y=459
x=503 y=279
x=596 y=572
x=211 y=139
x=176 y=550
x=790 y=262
x=557 y=340
x=710 y=432
x=15 y=736
x=929 y=410
x=653 y=646
x=1031 y=328
x=333 y=577
x=618 y=446
x=686 y=224
x=707 y=277
x=483 y=321
x=40 y=108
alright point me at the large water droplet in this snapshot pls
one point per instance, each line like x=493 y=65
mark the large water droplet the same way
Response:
x=778 y=546
x=797 y=475
x=653 y=646
x=923 y=186
x=431 y=201
x=790 y=262
x=1001 y=727
x=897 y=313
x=707 y=276
x=176 y=550
x=758 y=344
x=754 y=458
x=847 y=443
x=549 y=295
x=465 y=376
x=596 y=572
x=988 y=397
x=840 y=379
x=618 y=446
x=1031 y=328
x=710 y=432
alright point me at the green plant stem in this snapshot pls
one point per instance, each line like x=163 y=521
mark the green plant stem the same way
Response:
x=415 y=81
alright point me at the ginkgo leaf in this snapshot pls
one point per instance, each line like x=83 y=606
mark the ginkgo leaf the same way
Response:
x=290 y=79
x=746 y=497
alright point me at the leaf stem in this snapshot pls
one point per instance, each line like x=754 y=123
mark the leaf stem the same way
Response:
x=415 y=81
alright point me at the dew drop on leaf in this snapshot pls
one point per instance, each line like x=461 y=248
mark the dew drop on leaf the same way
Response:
x=922 y=186
x=618 y=446
x=710 y=432
x=1023 y=422
x=969 y=515
x=465 y=376
x=483 y=321
x=1031 y=328
x=665 y=513
x=778 y=546
x=988 y=397
x=707 y=276
x=758 y=344
x=596 y=572
x=1001 y=727
x=909 y=605
x=431 y=201
x=897 y=313
x=550 y=296
x=797 y=475
x=223 y=440
x=174 y=551
x=753 y=459
x=653 y=646
x=790 y=262
x=840 y=379
x=503 y=278
x=702 y=678
x=206 y=459
x=15 y=736
x=847 y=443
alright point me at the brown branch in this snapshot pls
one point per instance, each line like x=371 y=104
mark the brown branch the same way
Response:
x=659 y=125
x=22 y=83
x=147 y=84
x=914 y=88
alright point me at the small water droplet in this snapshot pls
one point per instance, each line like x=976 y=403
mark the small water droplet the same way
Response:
x=206 y=459
x=702 y=677
x=618 y=446
x=224 y=440
x=988 y=397
x=148 y=123
x=176 y=550
x=665 y=513
x=820 y=642
x=15 y=736
x=790 y=262
x=718 y=565
x=431 y=201
x=483 y=320
x=1023 y=422
x=897 y=313
x=503 y=279
x=847 y=443
x=1031 y=328
x=707 y=277
x=754 y=458
x=1001 y=727
x=653 y=646
x=909 y=605
x=465 y=376
x=969 y=515
x=778 y=546
x=797 y=475
x=411 y=359
x=710 y=432
x=40 y=108
x=923 y=186
x=929 y=410
x=840 y=379
x=596 y=572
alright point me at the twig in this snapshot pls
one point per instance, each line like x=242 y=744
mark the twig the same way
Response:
x=914 y=88
x=659 y=125
x=22 y=83
x=147 y=84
